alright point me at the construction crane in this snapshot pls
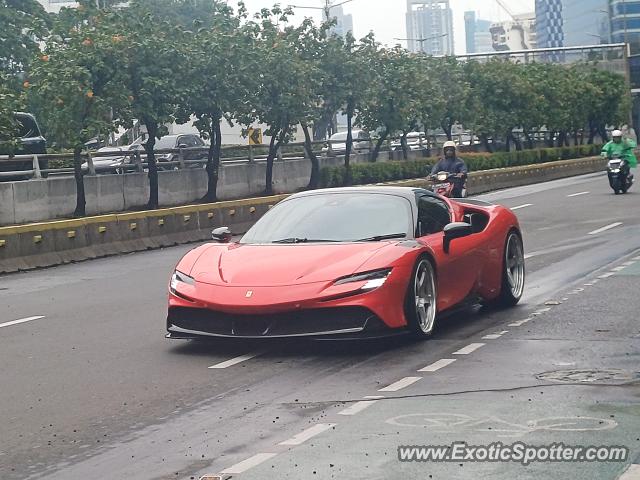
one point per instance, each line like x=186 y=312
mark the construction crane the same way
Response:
x=508 y=10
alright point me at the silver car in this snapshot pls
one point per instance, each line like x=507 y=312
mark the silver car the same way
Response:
x=338 y=142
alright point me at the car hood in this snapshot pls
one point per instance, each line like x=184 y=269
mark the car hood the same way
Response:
x=281 y=265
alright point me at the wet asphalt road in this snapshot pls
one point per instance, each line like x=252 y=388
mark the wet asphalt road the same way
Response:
x=93 y=390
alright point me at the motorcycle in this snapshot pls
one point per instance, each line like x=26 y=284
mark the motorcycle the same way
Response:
x=444 y=184
x=619 y=173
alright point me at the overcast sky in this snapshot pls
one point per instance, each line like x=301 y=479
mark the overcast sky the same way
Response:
x=387 y=17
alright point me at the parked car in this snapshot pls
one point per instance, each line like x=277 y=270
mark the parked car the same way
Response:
x=31 y=142
x=413 y=142
x=187 y=141
x=124 y=156
x=338 y=141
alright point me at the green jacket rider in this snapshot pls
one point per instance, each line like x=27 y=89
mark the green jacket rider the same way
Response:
x=622 y=148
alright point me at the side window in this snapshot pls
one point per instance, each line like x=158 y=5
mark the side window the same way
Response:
x=433 y=215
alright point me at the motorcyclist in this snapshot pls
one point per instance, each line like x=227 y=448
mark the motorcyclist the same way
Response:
x=620 y=147
x=453 y=164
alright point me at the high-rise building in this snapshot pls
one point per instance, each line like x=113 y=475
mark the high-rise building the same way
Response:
x=477 y=34
x=344 y=22
x=571 y=23
x=625 y=23
x=549 y=23
x=519 y=33
x=430 y=27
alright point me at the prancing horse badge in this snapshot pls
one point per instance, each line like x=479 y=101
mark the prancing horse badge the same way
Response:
x=249 y=294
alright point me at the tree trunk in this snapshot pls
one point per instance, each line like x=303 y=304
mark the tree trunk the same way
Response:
x=314 y=181
x=603 y=133
x=348 y=176
x=81 y=203
x=507 y=142
x=447 y=127
x=378 y=147
x=213 y=161
x=152 y=131
x=274 y=146
x=405 y=148
x=528 y=139
x=485 y=141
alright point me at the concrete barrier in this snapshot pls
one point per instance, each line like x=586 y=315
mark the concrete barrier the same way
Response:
x=52 y=243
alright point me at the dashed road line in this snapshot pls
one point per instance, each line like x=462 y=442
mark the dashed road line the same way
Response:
x=435 y=366
x=250 y=462
x=302 y=437
x=495 y=336
x=520 y=323
x=604 y=229
x=400 y=384
x=22 y=320
x=236 y=360
x=629 y=263
x=522 y=206
x=619 y=269
x=631 y=473
x=607 y=275
x=357 y=407
x=578 y=194
x=472 y=347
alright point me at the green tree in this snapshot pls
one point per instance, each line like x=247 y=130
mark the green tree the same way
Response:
x=153 y=66
x=10 y=102
x=24 y=25
x=394 y=104
x=455 y=92
x=79 y=88
x=285 y=82
x=347 y=70
x=220 y=72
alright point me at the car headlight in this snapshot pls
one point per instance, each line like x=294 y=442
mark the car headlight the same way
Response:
x=177 y=278
x=374 y=279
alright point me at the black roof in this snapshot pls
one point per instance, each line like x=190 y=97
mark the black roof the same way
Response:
x=407 y=192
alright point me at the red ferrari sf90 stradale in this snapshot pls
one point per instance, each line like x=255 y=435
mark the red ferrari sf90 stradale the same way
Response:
x=364 y=261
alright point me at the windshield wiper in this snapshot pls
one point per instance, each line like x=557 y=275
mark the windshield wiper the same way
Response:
x=302 y=240
x=379 y=238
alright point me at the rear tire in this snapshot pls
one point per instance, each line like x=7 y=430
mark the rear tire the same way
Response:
x=513 y=272
x=421 y=302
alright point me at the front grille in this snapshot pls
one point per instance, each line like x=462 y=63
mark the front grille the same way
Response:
x=303 y=322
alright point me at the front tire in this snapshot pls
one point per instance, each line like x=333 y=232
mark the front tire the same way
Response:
x=421 y=304
x=513 y=272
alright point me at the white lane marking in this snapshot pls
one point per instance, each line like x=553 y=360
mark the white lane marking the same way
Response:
x=604 y=229
x=629 y=263
x=236 y=360
x=249 y=463
x=607 y=275
x=529 y=255
x=522 y=206
x=631 y=473
x=357 y=407
x=373 y=397
x=495 y=336
x=435 y=366
x=578 y=194
x=400 y=384
x=520 y=323
x=619 y=269
x=636 y=258
x=472 y=347
x=308 y=433
x=22 y=320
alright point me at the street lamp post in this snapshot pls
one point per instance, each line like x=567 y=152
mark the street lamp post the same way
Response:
x=326 y=9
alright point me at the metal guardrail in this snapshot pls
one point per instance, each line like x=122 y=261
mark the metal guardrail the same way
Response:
x=134 y=160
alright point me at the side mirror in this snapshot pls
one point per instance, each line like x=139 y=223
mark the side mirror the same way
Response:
x=455 y=230
x=222 y=235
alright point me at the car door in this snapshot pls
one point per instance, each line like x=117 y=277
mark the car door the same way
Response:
x=458 y=270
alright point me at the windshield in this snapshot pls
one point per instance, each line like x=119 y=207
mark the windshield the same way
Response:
x=336 y=217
